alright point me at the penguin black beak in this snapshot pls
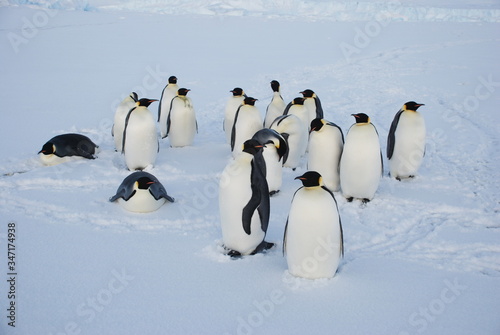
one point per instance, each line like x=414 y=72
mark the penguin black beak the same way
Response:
x=356 y=116
x=312 y=129
x=299 y=177
x=150 y=182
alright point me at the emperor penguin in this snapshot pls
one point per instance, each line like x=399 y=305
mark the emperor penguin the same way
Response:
x=294 y=132
x=65 y=147
x=313 y=105
x=275 y=153
x=247 y=122
x=140 y=139
x=276 y=107
x=181 y=121
x=119 y=120
x=141 y=192
x=244 y=203
x=168 y=93
x=232 y=105
x=313 y=239
x=326 y=142
x=406 y=141
x=297 y=108
x=361 y=160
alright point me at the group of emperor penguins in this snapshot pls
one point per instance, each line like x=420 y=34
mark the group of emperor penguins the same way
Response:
x=260 y=149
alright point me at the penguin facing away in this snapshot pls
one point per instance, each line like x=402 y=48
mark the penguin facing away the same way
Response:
x=168 y=93
x=313 y=241
x=244 y=203
x=275 y=153
x=406 y=141
x=297 y=108
x=294 y=132
x=140 y=139
x=312 y=104
x=232 y=105
x=181 y=122
x=276 y=107
x=326 y=142
x=247 y=122
x=119 y=120
x=361 y=160
x=141 y=192
x=65 y=147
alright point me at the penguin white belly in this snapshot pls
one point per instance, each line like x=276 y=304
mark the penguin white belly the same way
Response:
x=274 y=168
x=313 y=238
x=141 y=142
x=325 y=149
x=142 y=202
x=119 y=122
x=310 y=105
x=247 y=124
x=52 y=159
x=297 y=139
x=234 y=194
x=231 y=107
x=182 y=124
x=303 y=115
x=169 y=93
x=409 y=146
x=275 y=109
x=360 y=164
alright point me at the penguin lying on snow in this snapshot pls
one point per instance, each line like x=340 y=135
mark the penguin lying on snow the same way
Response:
x=244 y=203
x=313 y=239
x=61 y=148
x=141 y=192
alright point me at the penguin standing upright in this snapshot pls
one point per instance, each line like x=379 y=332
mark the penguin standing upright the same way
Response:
x=141 y=192
x=275 y=153
x=232 y=105
x=292 y=129
x=313 y=105
x=247 y=122
x=326 y=142
x=181 y=121
x=276 y=107
x=313 y=239
x=297 y=108
x=168 y=93
x=65 y=147
x=406 y=141
x=140 y=138
x=119 y=121
x=361 y=160
x=244 y=203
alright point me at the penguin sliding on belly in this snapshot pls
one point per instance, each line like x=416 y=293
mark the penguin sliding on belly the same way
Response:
x=313 y=240
x=361 y=160
x=119 y=121
x=140 y=138
x=244 y=203
x=406 y=141
x=65 y=147
x=141 y=192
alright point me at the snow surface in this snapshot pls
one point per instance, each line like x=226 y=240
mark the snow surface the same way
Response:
x=422 y=258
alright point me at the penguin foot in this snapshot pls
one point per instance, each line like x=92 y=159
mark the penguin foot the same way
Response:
x=234 y=254
x=398 y=178
x=273 y=193
x=350 y=199
x=263 y=247
x=365 y=200
x=411 y=176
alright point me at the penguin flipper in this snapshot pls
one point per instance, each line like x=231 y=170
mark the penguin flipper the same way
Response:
x=159 y=105
x=259 y=180
x=284 y=237
x=340 y=221
x=125 y=128
x=287 y=108
x=233 y=129
x=158 y=191
x=391 y=138
x=319 y=108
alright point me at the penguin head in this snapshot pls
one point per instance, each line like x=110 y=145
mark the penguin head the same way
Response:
x=183 y=91
x=145 y=102
x=275 y=86
x=361 y=118
x=172 y=80
x=317 y=124
x=249 y=101
x=237 y=92
x=298 y=101
x=252 y=146
x=308 y=93
x=134 y=96
x=143 y=183
x=311 y=179
x=411 y=106
x=48 y=149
